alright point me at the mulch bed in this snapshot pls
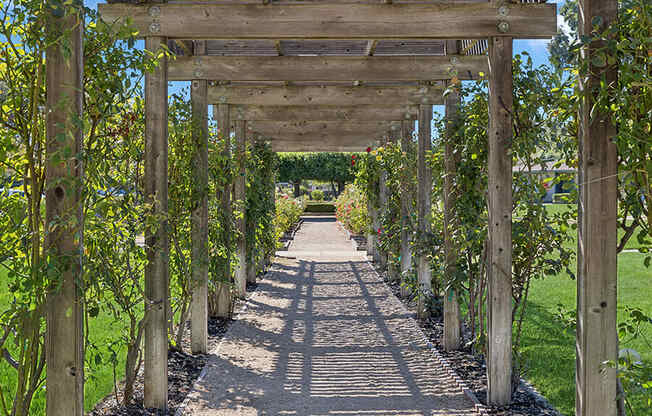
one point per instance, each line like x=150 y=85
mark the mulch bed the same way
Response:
x=183 y=370
x=471 y=368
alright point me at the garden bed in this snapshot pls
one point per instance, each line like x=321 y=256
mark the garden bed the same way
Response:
x=471 y=368
x=183 y=370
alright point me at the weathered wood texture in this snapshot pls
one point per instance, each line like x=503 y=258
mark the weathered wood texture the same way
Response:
x=199 y=218
x=331 y=139
x=407 y=201
x=326 y=68
x=452 y=316
x=318 y=147
x=325 y=95
x=222 y=302
x=424 y=192
x=64 y=336
x=499 y=253
x=597 y=339
x=157 y=240
x=308 y=128
x=451 y=20
x=380 y=254
x=240 y=195
x=322 y=113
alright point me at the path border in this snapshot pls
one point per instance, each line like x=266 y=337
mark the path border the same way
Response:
x=181 y=410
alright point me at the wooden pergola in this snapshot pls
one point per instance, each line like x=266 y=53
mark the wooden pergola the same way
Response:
x=303 y=75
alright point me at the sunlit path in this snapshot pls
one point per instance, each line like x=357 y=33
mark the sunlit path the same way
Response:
x=324 y=335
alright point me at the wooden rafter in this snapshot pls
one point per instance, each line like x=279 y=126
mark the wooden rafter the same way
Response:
x=326 y=68
x=325 y=95
x=335 y=20
x=280 y=128
x=322 y=113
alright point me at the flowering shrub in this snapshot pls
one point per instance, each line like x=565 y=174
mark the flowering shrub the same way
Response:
x=352 y=210
x=288 y=212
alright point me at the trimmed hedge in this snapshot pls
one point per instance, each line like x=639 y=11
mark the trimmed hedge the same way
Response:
x=319 y=207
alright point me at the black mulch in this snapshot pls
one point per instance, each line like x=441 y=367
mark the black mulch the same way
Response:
x=183 y=371
x=471 y=368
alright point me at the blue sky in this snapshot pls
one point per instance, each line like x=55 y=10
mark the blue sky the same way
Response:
x=537 y=48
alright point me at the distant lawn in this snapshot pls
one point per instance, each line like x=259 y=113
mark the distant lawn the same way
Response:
x=551 y=353
x=99 y=378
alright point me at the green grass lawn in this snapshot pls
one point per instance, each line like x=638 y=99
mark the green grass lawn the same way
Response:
x=550 y=352
x=99 y=377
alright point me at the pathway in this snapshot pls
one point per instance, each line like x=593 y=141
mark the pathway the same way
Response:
x=323 y=335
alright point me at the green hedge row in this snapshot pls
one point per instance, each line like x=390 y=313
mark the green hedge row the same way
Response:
x=319 y=207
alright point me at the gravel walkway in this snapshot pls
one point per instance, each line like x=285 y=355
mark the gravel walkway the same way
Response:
x=323 y=335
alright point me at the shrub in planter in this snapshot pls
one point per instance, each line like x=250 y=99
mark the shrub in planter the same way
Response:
x=319 y=207
x=317 y=195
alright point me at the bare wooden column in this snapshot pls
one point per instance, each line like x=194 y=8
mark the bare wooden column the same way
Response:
x=499 y=264
x=380 y=255
x=64 y=337
x=406 y=204
x=222 y=300
x=597 y=339
x=251 y=262
x=452 y=318
x=199 y=216
x=157 y=241
x=240 y=196
x=424 y=191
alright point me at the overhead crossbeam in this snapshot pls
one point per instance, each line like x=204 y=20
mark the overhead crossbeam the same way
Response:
x=325 y=95
x=281 y=128
x=323 y=113
x=326 y=138
x=326 y=68
x=337 y=20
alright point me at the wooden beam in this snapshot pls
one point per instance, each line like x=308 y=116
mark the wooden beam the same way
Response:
x=199 y=218
x=221 y=301
x=326 y=68
x=307 y=128
x=424 y=191
x=326 y=134
x=156 y=238
x=327 y=139
x=64 y=318
x=407 y=201
x=302 y=147
x=499 y=264
x=322 y=113
x=326 y=95
x=452 y=316
x=335 y=20
x=240 y=195
x=597 y=273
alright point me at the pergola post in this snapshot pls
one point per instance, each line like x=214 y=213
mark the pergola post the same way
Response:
x=251 y=262
x=499 y=253
x=199 y=215
x=406 y=206
x=157 y=240
x=64 y=336
x=240 y=197
x=381 y=255
x=222 y=301
x=452 y=318
x=372 y=235
x=424 y=191
x=597 y=274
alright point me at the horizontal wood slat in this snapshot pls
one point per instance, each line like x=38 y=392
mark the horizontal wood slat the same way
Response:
x=326 y=68
x=325 y=95
x=323 y=113
x=451 y=20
